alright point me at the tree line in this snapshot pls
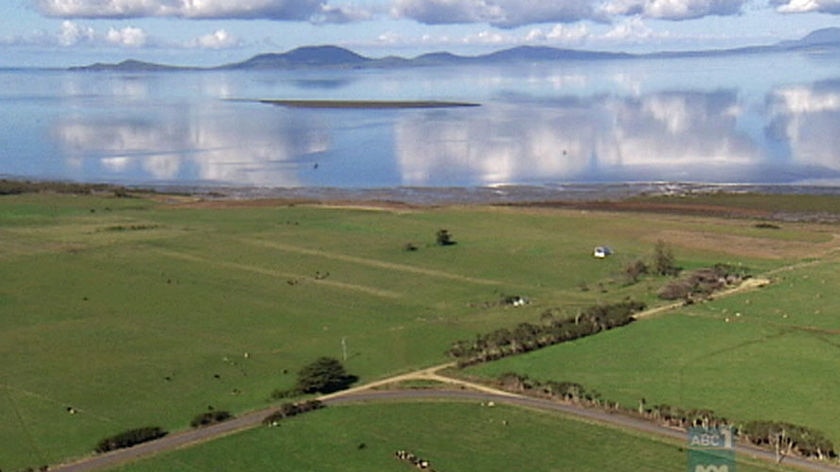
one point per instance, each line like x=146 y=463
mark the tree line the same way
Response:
x=784 y=438
x=527 y=337
x=287 y=410
x=130 y=438
x=787 y=438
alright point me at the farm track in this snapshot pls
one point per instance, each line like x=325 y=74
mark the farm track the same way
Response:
x=285 y=276
x=372 y=262
x=463 y=390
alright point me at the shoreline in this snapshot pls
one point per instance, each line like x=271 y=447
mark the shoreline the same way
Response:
x=656 y=197
x=497 y=194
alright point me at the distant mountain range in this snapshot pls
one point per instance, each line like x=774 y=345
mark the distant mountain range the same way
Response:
x=334 y=57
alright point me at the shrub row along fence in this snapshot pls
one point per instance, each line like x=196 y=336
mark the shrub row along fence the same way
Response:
x=210 y=418
x=702 y=283
x=130 y=438
x=784 y=438
x=529 y=336
x=287 y=410
x=788 y=438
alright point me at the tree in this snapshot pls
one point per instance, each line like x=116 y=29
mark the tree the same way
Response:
x=634 y=270
x=663 y=259
x=325 y=375
x=444 y=238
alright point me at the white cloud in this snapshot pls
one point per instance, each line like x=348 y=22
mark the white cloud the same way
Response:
x=630 y=29
x=72 y=33
x=301 y=10
x=560 y=33
x=804 y=6
x=129 y=36
x=673 y=9
x=500 y=13
x=219 y=39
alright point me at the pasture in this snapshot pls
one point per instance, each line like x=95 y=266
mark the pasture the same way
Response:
x=137 y=312
x=452 y=436
x=767 y=354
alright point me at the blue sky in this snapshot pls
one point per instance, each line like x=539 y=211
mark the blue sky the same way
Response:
x=209 y=32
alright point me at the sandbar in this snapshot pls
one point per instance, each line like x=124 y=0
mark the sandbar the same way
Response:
x=367 y=104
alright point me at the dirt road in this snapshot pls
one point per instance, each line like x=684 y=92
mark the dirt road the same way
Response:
x=461 y=390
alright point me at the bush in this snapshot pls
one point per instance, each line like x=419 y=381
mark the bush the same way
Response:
x=210 y=417
x=444 y=238
x=130 y=438
x=703 y=282
x=287 y=410
x=325 y=375
x=663 y=260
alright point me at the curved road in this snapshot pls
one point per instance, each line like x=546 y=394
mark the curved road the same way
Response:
x=365 y=394
x=463 y=391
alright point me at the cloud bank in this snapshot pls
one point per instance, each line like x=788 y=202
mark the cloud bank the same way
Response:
x=75 y=34
x=284 y=10
x=497 y=13
x=807 y=6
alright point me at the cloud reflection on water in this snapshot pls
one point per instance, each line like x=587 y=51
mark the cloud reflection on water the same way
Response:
x=198 y=145
x=660 y=136
x=807 y=120
x=699 y=136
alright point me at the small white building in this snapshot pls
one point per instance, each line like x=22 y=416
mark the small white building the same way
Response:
x=602 y=251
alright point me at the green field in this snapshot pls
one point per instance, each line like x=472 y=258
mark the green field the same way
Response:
x=769 y=354
x=140 y=313
x=452 y=436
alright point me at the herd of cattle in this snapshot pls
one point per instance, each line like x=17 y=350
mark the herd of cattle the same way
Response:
x=412 y=459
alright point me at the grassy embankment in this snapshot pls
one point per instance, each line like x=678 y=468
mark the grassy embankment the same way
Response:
x=136 y=313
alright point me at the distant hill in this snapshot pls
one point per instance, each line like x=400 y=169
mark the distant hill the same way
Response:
x=304 y=57
x=543 y=53
x=322 y=57
x=130 y=65
x=820 y=37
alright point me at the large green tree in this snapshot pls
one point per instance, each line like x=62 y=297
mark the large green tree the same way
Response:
x=324 y=375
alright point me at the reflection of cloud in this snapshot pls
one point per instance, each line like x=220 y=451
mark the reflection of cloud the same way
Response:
x=260 y=150
x=497 y=147
x=807 y=117
x=689 y=130
x=666 y=136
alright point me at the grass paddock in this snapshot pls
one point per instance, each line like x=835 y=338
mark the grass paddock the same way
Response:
x=134 y=312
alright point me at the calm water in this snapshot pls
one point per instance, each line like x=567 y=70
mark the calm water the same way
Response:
x=748 y=120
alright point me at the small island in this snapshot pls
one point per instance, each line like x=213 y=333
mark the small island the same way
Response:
x=367 y=104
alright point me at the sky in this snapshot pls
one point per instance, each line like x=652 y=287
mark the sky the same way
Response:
x=61 y=33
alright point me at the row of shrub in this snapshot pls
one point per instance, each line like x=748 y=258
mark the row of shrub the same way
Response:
x=561 y=390
x=789 y=438
x=130 y=438
x=210 y=417
x=785 y=438
x=287 y=410
x=701 y=283
x=17 y=187
x=529 y=336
